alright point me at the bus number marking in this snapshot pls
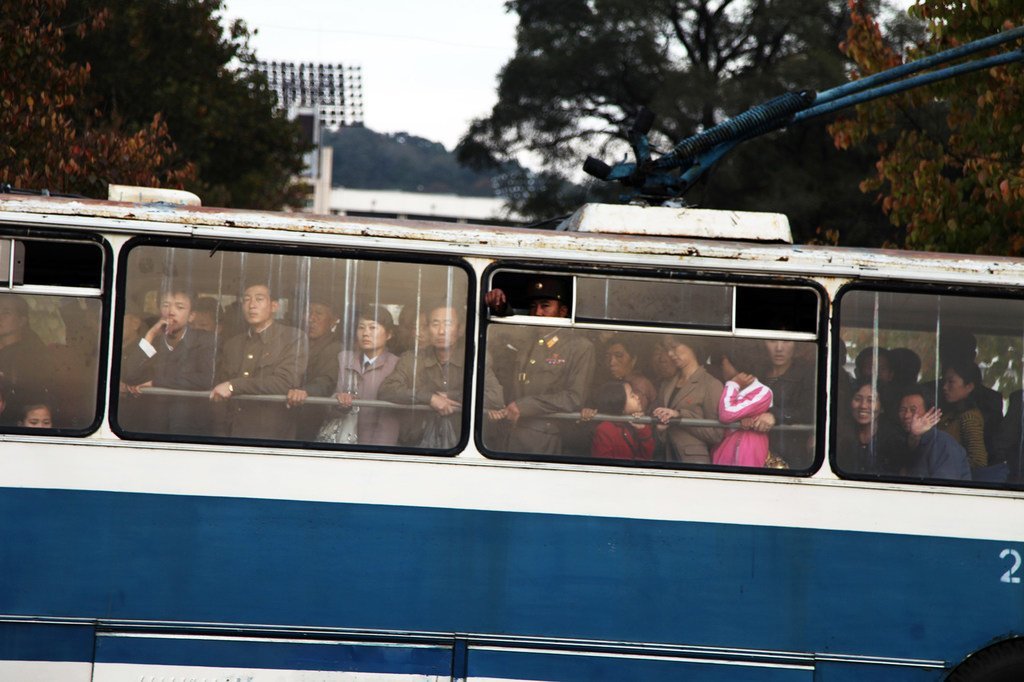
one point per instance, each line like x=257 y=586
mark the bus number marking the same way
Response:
x=1010 y=575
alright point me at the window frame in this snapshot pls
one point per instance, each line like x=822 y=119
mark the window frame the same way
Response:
x=556 y=269
x=212 y=245
x=101 y=294
x=900 y=287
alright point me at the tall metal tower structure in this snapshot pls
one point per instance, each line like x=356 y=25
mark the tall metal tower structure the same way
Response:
x=333 y=91
x=318 y=96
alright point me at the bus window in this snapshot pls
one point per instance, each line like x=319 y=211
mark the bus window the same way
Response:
x=649 y=371
x=929 y=386
x=683 y=304
x=317 y=350
x=49 y=350
x=50 y=320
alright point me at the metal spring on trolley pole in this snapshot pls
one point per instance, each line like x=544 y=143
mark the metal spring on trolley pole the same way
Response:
x=758 y=119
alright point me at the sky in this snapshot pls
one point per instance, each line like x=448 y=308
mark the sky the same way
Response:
x=429 y=68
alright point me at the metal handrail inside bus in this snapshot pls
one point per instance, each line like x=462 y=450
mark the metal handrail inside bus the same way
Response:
x=562 y=416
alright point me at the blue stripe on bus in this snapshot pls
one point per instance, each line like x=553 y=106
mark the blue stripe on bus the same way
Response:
x=227 y=653
x=518 y=665
x=120 y=556
x=46 y=642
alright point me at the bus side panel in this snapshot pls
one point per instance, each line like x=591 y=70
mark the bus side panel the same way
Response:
x=496 y=665
x=121 y=556
x=129 y=657
x=836 y=671
x=46 y=652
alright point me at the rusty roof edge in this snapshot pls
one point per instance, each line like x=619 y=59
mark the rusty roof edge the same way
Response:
x=484 y=240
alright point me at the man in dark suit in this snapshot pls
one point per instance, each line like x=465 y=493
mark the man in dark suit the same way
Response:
x=172 y=354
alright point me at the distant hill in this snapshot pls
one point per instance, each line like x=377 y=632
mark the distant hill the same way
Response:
x=364 y=159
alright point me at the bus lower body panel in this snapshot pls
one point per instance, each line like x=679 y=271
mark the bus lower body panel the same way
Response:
x=704 y=597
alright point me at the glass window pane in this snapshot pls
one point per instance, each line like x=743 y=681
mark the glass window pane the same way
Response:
x=648 y=397
x=354 y=353
x=69 y=264
x=666 y=303
x=49 y=354
x=905 y=353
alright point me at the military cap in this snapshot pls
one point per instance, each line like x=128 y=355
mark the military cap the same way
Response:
x=555 y=288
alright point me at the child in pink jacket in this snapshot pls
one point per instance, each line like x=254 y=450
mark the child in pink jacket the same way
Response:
x=743 y=399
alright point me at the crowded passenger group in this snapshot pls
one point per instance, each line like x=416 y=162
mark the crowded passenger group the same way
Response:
x=549 y=389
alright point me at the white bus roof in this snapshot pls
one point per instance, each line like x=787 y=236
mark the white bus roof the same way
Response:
x=697 y=223
x=731 y=253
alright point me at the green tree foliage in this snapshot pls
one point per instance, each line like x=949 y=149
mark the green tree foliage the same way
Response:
x=174 y=57
x=584 y=68
x=49 y=141
x=950 y=160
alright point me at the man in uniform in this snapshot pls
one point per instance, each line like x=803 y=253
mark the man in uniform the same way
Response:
x=321 y=369
x=172 y=354
x=268 y=358
x=553 y=369
x=433 y=376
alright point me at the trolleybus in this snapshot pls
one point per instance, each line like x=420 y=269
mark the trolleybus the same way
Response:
x=239 y=512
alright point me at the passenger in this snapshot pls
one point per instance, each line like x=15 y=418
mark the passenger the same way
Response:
x=494 y=427
x=231 y=323
x=961 y=346
x=321 y=369
x=694 y=394
x=864 y=366
x=872 y=444
x=622 y=358
x=36 y=416
x=962 y=419
x=132 y=329
x=25 y=365
x=432 y=376
x=906 y=367
x=361 y=374
x=846 y=380
x=74 y=368
x=931 y=453
x=411 y=331
x=171 y=354
x=207 y=315
x=792 y=387
x=743 y=399
x=552 y=370
x=620 y=440
x=621 y=365
x=267 y=359
x=1009 y=438
x=663 y=369
x=884 y=379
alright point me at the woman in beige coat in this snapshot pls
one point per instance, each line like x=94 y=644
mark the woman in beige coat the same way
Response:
x=691 y=394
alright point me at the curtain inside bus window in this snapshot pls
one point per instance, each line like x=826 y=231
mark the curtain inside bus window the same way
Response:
x=905 y=353
x=340 y=352
x=594 y=385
